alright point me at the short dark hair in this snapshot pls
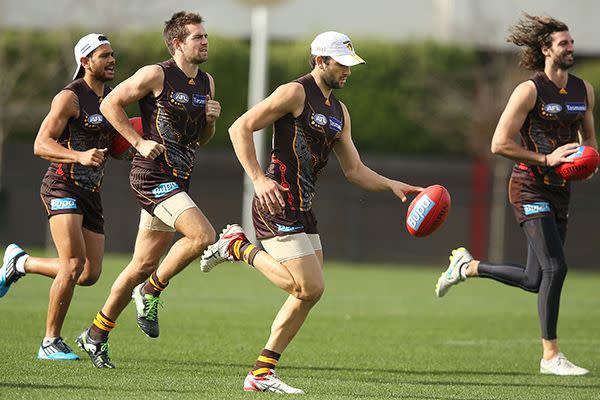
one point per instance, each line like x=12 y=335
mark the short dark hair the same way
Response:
x=312 y=60
x=531 y=33
x=176 y=27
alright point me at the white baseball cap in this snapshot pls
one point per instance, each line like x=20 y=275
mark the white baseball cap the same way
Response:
x=84 y=48
x=337 y=46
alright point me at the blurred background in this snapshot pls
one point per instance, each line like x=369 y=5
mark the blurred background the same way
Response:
x=423 y=108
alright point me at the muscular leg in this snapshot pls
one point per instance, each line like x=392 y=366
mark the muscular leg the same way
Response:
x=546 y=249
x=94 y=244
x=527 y=278
x=198 y=234
x=70 y=244
x=149 y=247
x=308 y=275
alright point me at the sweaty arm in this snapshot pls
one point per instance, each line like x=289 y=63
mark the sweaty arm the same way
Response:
x=213 y=112
x=147 y=80
x=358 y=173
x=504 y=141
x=288 y=98
x=65 y=106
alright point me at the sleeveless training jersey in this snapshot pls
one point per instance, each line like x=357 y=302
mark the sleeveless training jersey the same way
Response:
x=175 y=118
x=301 y=145
x=554 y=121
x=87 y=131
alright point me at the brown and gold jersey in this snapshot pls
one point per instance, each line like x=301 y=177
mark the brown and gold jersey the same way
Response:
x=301 y=146
x=554 y=121
x=89 y=130
x=176 y=119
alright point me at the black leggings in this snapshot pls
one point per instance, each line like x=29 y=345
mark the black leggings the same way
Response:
x=544 y=274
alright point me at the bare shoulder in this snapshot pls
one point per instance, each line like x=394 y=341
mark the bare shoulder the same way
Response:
x=292 y=91
x=524 y=95
x=526 y=88
x=288 y=97
x=150 y=73
x=66 y=103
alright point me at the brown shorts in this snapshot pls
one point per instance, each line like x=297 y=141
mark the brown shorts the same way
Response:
x=532 y=199
x=61 y=196
x=268 y=226
x=153 y=187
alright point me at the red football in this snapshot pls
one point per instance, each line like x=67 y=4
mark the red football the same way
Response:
x=428 y=211
x=120 y=148
x=585 y=162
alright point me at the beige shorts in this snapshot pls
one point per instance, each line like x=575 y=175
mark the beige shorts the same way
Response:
x=166 y=213
x=290 y=247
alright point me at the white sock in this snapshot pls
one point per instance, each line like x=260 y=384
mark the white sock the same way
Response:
x=463 y=270
x=48 y=340
x=20 y=265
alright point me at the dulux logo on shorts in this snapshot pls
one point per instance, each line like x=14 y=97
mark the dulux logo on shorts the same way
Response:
x=335 y=124
x=576 y=107
x=284 y=228
x=180 y=97
x=66 y=203
x=536 y=208
x=419 y=212
x=320 y=119
x=552 y=108
x=164 y=188
x=95 y=119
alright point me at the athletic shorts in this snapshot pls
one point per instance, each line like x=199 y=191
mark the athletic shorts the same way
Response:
x=166 y=213
x=532 y=199
x=291 y=221
x=290 y=247
x=61 y=196
x=153 y=187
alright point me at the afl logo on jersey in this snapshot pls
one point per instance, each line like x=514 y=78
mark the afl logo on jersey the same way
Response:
x=180 y=97
x=553 y=108
x=95 y=119
x=320 y=119
x=92 y=121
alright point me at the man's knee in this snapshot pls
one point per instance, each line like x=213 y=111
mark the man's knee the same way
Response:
x=202 y=239
x=73 y=267
x=88 y=278
x=309 y=293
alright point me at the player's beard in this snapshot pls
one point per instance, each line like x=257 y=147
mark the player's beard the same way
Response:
x=197 y=60
x=102 y=76
x=330 y=81
x=563 y=63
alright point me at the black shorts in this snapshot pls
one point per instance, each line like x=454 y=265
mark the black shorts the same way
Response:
x=291 y=221
x=153 y=187
x=61 y=196
x=532 y=199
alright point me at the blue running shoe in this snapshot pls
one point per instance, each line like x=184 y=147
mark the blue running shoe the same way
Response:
x=58 y=350
x=8 y=272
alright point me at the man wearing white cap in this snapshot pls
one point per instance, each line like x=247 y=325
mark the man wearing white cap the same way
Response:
x=74 y=137
x=309 y=122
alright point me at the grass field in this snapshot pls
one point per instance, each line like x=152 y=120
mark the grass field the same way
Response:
x=378 y=333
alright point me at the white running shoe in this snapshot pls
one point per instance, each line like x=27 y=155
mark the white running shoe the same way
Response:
x=452 y=276
x=220 y=251
x=8 y=271
x=268 y=383
x=559 y=365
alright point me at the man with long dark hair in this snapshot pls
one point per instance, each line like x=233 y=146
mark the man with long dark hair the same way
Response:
x=552 y=113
